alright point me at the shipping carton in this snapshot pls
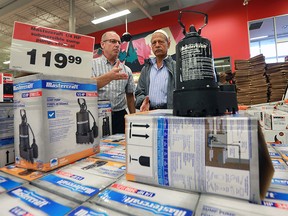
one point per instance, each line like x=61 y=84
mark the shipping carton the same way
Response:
x=26 y=174
x=276 y=120
x=9 y=182
x=55 y=120
x=87 y=209
x=219 y=205
x=30 y=200
x=140 y=199
x=73 y=184
x=225 y=155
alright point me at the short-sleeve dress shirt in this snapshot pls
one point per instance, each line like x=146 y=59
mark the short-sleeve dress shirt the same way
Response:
x=116 y=90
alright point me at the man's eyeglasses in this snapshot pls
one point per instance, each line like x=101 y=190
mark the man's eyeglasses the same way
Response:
x=113 y=41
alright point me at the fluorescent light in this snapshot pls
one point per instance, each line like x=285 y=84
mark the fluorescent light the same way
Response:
x=257 y=38
x=6 y=62
x=112 y=16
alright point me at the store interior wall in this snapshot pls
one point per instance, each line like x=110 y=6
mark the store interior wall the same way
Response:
x=227 y=27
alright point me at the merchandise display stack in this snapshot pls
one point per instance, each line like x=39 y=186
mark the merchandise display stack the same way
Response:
x=95 y=185
x=278 y=76
x=273 y=119
x=251 y=81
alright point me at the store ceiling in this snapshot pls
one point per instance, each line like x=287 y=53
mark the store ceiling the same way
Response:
x=55 y=14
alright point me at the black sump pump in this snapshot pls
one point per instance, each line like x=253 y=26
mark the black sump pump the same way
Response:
x=197 y=93
x=27 y=152
x=84 y=134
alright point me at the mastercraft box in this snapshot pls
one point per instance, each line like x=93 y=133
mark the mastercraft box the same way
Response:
x=276 y=120
x=105 y=118
x=6 y=127
x=90 y=209
x=73 y=184
x=140 y=199
x=258 y=111
x=225 y=155
x=108 y=169
x=282 y=149
x=219 y=205
x=55 y=120
x=26 y=174
x=7 y=155
x=30 y=200
x=276 y=136
x=9 y=182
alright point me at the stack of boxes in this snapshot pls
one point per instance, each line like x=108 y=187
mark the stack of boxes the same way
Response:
x=273 y=118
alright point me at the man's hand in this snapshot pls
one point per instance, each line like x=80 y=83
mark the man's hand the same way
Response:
x=145 y=104
x=115 y=73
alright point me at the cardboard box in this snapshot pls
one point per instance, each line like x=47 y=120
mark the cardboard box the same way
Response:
x=117 y=154
x=224 y=155
x=26 y=174
x=30 y=200
x=9 y=182
x=282 y=149
x=273 y=152
x=6 y=126
x=276 y=136
x=6 y=87
x=7 y=155
x=115 y=138
x=73 y=184
x=87 y=209
x=108 y=169
x=277 y=198
x=258 y=112
x=219 y=205
x=279 y=165
x=140 y=199
x=55 y=120
x=105 y=118
x=276 y=120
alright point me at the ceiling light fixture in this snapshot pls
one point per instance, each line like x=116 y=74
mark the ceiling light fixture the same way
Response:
x=112 y=16
x=260 y=37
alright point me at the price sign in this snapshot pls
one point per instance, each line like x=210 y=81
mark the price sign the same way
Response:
x=50 y=51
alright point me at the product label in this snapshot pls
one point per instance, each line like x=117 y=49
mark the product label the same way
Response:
x=38 y=201
x=197 y=62
x=277 y=181
x=85 y=211
x=277 y=195
x=8 y=184
x=115 y=157
x=144 y=204
x=72 y=186
x=211 y=210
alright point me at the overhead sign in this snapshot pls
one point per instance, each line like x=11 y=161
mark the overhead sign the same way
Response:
x=50 y=51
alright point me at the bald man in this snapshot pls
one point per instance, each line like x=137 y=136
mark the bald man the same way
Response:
x=114 y=80
x=156 y=82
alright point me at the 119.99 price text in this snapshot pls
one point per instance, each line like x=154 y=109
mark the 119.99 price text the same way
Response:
x=61 y=60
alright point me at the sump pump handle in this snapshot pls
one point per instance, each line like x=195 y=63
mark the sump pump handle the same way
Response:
x=82 y=105
x=191 y=11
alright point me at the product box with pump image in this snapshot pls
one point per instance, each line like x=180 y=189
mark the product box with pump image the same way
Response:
x=55 y=120
x=224 y=155
x=105 y=118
